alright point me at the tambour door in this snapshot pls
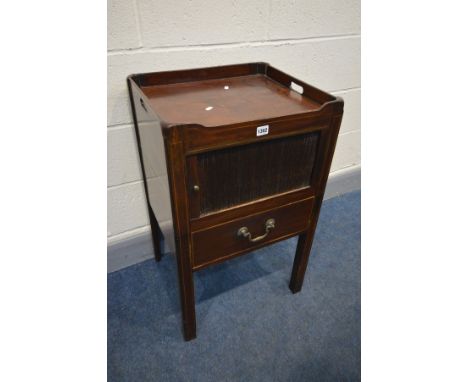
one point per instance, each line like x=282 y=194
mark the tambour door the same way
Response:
x=233 y=176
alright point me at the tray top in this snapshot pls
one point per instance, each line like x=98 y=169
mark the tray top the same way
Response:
x=226 y=101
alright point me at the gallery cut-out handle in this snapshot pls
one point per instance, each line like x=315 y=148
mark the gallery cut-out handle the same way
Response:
x=143 y=104
x=297 y=88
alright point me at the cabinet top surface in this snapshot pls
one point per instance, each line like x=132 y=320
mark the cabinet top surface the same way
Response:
x=225 y=101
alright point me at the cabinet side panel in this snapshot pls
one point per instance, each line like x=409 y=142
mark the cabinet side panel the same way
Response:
x=152 y=154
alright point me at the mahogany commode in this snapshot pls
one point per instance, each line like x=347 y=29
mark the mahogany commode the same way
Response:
x=247 y=150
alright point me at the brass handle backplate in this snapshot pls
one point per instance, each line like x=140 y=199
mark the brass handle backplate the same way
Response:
x=244 y=231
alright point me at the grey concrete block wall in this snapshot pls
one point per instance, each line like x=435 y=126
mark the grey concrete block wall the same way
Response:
x=315 y=40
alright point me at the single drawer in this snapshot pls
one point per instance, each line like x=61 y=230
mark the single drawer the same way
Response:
x=245 y=234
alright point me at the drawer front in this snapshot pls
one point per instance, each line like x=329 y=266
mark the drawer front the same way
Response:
x=245 y=234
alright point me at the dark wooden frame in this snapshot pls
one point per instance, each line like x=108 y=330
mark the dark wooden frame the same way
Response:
x=182 y=141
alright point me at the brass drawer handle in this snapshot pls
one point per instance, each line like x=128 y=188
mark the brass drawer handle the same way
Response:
x=244 y=231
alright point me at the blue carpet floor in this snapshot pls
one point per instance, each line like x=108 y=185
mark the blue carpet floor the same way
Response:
x=250 y=327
